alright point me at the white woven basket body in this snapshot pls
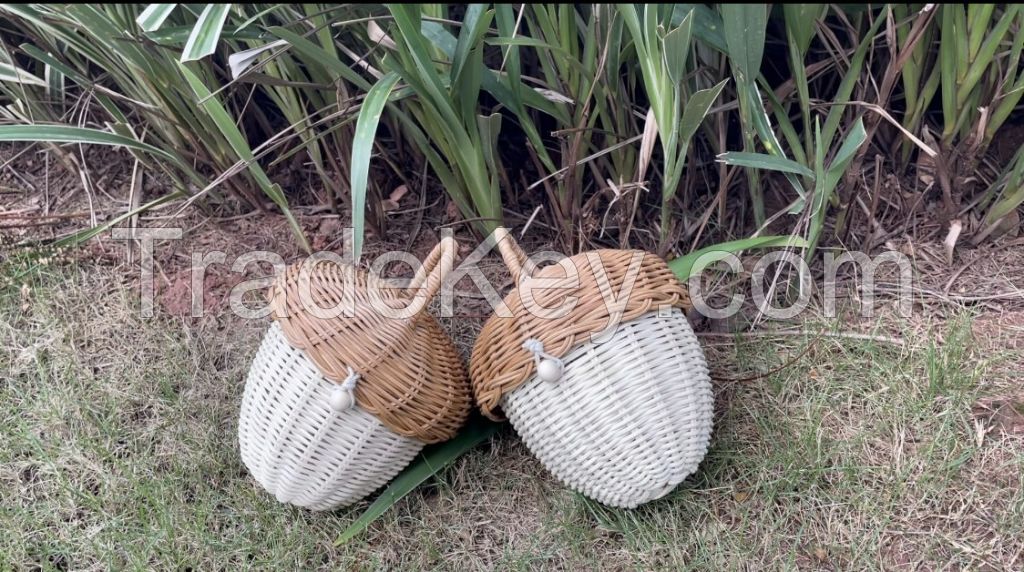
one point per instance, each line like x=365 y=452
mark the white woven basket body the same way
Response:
x=629 y=419
x=297 y=447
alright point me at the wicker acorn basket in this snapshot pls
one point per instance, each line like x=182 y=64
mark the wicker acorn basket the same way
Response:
x=621 y=415
x=334 y=407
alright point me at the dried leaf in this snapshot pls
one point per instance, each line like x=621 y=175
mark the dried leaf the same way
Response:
x=926 y=169
x=25 y=293
x=647 y=145
x=391 y=203
x=955 y=227
x=399 y=192
x=554 y=96
x=820 y=553
x=377 y=35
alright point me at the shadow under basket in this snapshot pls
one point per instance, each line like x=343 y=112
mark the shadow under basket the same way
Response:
x=335 y=407
x=622 y=415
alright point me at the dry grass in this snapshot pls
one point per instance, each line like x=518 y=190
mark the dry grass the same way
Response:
x=117 y=449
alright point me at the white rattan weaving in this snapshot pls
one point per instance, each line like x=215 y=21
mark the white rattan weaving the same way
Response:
x=629 y=418
x=301 y=450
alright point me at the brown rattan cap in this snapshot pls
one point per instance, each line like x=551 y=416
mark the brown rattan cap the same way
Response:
x=500 y=363
x=411 y=376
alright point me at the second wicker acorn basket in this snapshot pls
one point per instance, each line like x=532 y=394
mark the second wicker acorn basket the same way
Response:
x=335 y=406
x=623 y=414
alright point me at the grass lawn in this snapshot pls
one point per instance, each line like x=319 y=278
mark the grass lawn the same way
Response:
x=118 y=450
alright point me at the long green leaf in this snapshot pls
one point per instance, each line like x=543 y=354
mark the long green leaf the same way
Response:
x=474 y=24
x=697 y=109
x=744 y=30
x=683 y=266
x=362 y=149
x=850 y=79
x=986 y=53
x=800 y=23
x=320 y=55
x=54 y=63
x=178 y=35
x=762 y=161
x=429 y=463
x=675 y=47
x=84 y=135
x=206 y=33
x=154 y=16
x=693 y=115
x=745 y=37
x=853 y=141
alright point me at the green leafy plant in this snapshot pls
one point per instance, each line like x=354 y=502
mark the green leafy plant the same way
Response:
x=973 y=72
x=153 y=96
x=1004 y=196
x=662 y=56
x=825 y=179
x=744 y=29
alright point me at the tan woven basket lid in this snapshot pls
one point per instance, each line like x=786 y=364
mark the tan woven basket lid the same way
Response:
x=500 y=363
x=411 y=376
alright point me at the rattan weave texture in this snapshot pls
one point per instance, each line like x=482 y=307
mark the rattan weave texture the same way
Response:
x=623 y=417
x=499 y=363
x=412 y=377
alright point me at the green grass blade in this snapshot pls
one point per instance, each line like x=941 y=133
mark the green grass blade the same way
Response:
x=49 y=60
x=83 y=135
x=978 y=18
x=682 y=267
x=409 y=24
x=846 y=86
x=154 y=16
x=474 y=24
x=980 y=66
x=439 y=37
x=693 y=115
x=763 y=161
x=1011 y=183
x=947 y=65
x=206 y=33
x=178 y=35
x=430 y=462
x=362 y=149
x=744 y=29
x=321 y=56
x=763 y=126
x=853 y=141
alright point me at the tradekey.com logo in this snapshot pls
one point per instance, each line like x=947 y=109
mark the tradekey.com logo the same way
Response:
x=382 y=293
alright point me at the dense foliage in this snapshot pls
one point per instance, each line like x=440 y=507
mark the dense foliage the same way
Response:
x=660 y=125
